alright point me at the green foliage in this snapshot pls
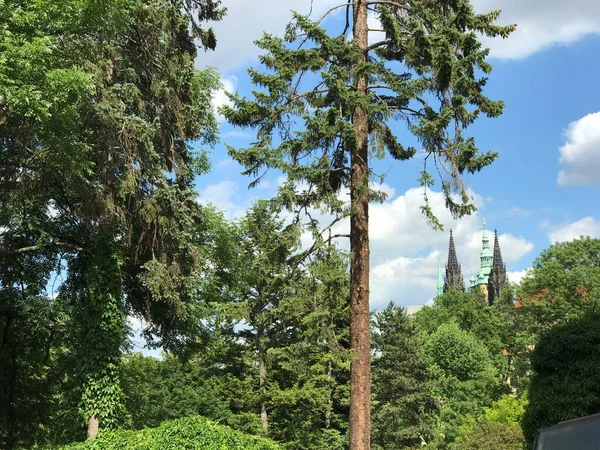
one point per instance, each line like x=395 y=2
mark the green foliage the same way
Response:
x=564 y=283
x=295 y=323
x=159 y=390
x=468 y=380
x=326 y=104
x=459 y=353
x=404 y=408
x=428 y=50
x=471 y=313
x=311 y=368
x=564 y=384
x=101 y=338
x=35 y=375
x=194 y=433
x=486 y=435
x=99 y=102
x=507 y=410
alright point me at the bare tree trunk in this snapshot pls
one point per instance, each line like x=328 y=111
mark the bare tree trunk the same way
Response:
x=93 y=426
x=262 y=372
x=360 y=340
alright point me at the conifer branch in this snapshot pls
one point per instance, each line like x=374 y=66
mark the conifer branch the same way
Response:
x=378 y=44
x=341 y=5
x=307 y=93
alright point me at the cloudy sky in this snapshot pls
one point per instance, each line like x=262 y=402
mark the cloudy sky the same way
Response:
x=544 y=188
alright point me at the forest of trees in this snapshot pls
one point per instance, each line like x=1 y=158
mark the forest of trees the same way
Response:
x=106 y=121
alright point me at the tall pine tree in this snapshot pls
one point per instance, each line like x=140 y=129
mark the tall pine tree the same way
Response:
x=404 y=407
x=328 y=103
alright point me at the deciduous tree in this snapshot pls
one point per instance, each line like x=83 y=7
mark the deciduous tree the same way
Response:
x=99 y=103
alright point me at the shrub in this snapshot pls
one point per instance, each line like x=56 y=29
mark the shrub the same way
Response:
x=189 y=433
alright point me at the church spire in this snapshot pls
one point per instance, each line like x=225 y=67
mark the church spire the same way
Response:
x=497 y=279
x=454 y=278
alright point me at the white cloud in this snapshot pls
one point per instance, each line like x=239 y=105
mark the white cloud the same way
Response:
x=404 y=249
x=406 y=281
x=580 y=155
x=221 y=195
x=374 y=23
x=588 y=226
x=516 y=277
x=137 y=339
x=220 y=98
x=225 y=163
x=240 y=134
x=399 y=229
x=540 y=24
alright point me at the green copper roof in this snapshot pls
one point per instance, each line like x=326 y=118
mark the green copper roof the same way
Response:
x=472 y=280
x=486 y=258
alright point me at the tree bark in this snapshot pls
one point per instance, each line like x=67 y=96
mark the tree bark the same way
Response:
x=93 y=426
x=360 y=340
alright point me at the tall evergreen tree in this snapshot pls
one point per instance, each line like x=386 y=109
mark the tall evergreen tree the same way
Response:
x=332 y=100
x=290 y=344
x=313 y=367
x=97 y=112
x=265 y=287
x=404 y=408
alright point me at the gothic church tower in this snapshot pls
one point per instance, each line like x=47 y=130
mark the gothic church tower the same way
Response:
x=497 y=279
x=454 y=278
x=491 y=277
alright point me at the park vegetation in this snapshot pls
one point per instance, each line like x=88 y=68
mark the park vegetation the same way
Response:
x=106 y=121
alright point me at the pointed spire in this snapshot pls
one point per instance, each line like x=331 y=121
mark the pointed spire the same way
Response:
x=454 y=278
x=497 y=253
x=497 y=279
x=452 y=259
x=440 y=284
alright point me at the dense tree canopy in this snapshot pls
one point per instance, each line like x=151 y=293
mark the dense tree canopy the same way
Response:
x=404 y=407
x=564 y=384
x=105 y=125
x=564 y=283
x=100 y=101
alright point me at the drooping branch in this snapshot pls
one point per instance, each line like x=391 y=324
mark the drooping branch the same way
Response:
x=318 y=242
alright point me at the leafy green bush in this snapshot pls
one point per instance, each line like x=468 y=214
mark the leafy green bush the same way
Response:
x=487 y=435
x=507 y=410
x=189 y=433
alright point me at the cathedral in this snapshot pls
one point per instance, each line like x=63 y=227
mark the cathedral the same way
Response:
x=491 y=277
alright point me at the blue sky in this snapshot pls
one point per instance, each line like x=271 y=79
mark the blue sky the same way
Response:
x=548 y=75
